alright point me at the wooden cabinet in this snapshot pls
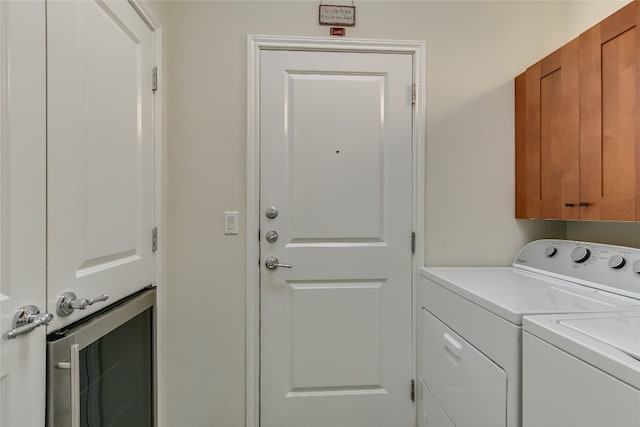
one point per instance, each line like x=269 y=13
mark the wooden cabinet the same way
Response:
x=609 y=125
x=577 y=126
x=547 y=146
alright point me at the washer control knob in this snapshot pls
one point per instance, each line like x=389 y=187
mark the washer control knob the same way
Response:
x=636 y=267
x=580 y=254
x=550 y=251
x=617 y=262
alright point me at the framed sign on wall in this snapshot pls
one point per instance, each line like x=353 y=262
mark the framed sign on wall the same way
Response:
x=337 y=15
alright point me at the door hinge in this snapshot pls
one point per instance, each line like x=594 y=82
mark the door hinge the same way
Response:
x=154 y=239
x=413 y=242
x=413 y=94
x=154 y=79
x=413 y=390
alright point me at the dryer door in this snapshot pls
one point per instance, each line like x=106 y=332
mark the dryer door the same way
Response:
x=430 y=414
x=471 y=389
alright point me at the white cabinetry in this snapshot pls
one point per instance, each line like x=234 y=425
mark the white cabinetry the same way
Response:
x=77 y=176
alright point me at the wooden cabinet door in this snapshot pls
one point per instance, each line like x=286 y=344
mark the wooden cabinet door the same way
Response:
x=547 y=150
x=609 y=124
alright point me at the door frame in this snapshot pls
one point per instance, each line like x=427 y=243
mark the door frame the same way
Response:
x=255 y=44
x=149 y=16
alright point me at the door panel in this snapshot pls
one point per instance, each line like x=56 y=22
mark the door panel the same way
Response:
x=336 y=161
x=100 y=152
x=548 y=138
x=352 y=152
x=559 y=134
x=22 y=208
x=327 y=358
x=609 y=93
x=619 y=66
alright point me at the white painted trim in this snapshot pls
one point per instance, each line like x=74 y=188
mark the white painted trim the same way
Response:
x=419 y=159
x=160 y=255
x=252 y=391
x=152 y=21
x=147 y=14
x=4 y=121
x=255 y=44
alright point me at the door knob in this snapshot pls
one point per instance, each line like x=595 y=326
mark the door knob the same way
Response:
x=68 y=302
x=272 y=263
x=26 y=319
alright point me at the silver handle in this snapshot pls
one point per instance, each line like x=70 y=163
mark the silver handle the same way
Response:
x=75 y=385
x=84 y=303
x=272 y=263
x=68 y=302
x=26 y=319
x=74 y=370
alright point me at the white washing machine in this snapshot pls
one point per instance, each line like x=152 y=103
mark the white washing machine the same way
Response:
x=470 y=327
x=581 y=370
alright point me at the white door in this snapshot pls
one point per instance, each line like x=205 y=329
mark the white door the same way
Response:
x=22 y=208
x=336 y=163
x=100 y=152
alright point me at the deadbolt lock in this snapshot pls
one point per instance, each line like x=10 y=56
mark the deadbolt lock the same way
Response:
x=271 y=236
x=271 y=213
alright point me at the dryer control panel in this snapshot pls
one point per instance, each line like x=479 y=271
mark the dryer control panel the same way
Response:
x=607 y=267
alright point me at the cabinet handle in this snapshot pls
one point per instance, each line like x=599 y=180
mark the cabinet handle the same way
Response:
x=569 y=205
x=26 y=319
x=68 y=302
x=585 y=204
x=75 y=385
x=74 y=370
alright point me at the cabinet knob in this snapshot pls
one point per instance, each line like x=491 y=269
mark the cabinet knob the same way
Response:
x=569 y=205
x=584 y=204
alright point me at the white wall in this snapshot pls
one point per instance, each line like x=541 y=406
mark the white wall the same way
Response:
x=581 y=15
x=474 y=50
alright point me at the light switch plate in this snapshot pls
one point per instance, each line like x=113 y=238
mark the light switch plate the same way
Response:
x=231 y=222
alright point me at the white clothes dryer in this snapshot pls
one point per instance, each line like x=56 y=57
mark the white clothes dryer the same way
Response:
x=470 y=324
x=581 y=370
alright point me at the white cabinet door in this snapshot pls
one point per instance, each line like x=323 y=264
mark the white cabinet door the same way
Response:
x=22 y=208
x=100 y=152
x=336 y=161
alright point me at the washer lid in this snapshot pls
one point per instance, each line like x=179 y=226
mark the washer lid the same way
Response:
x=512 y=293
x=607 y=341
x=622 y=333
